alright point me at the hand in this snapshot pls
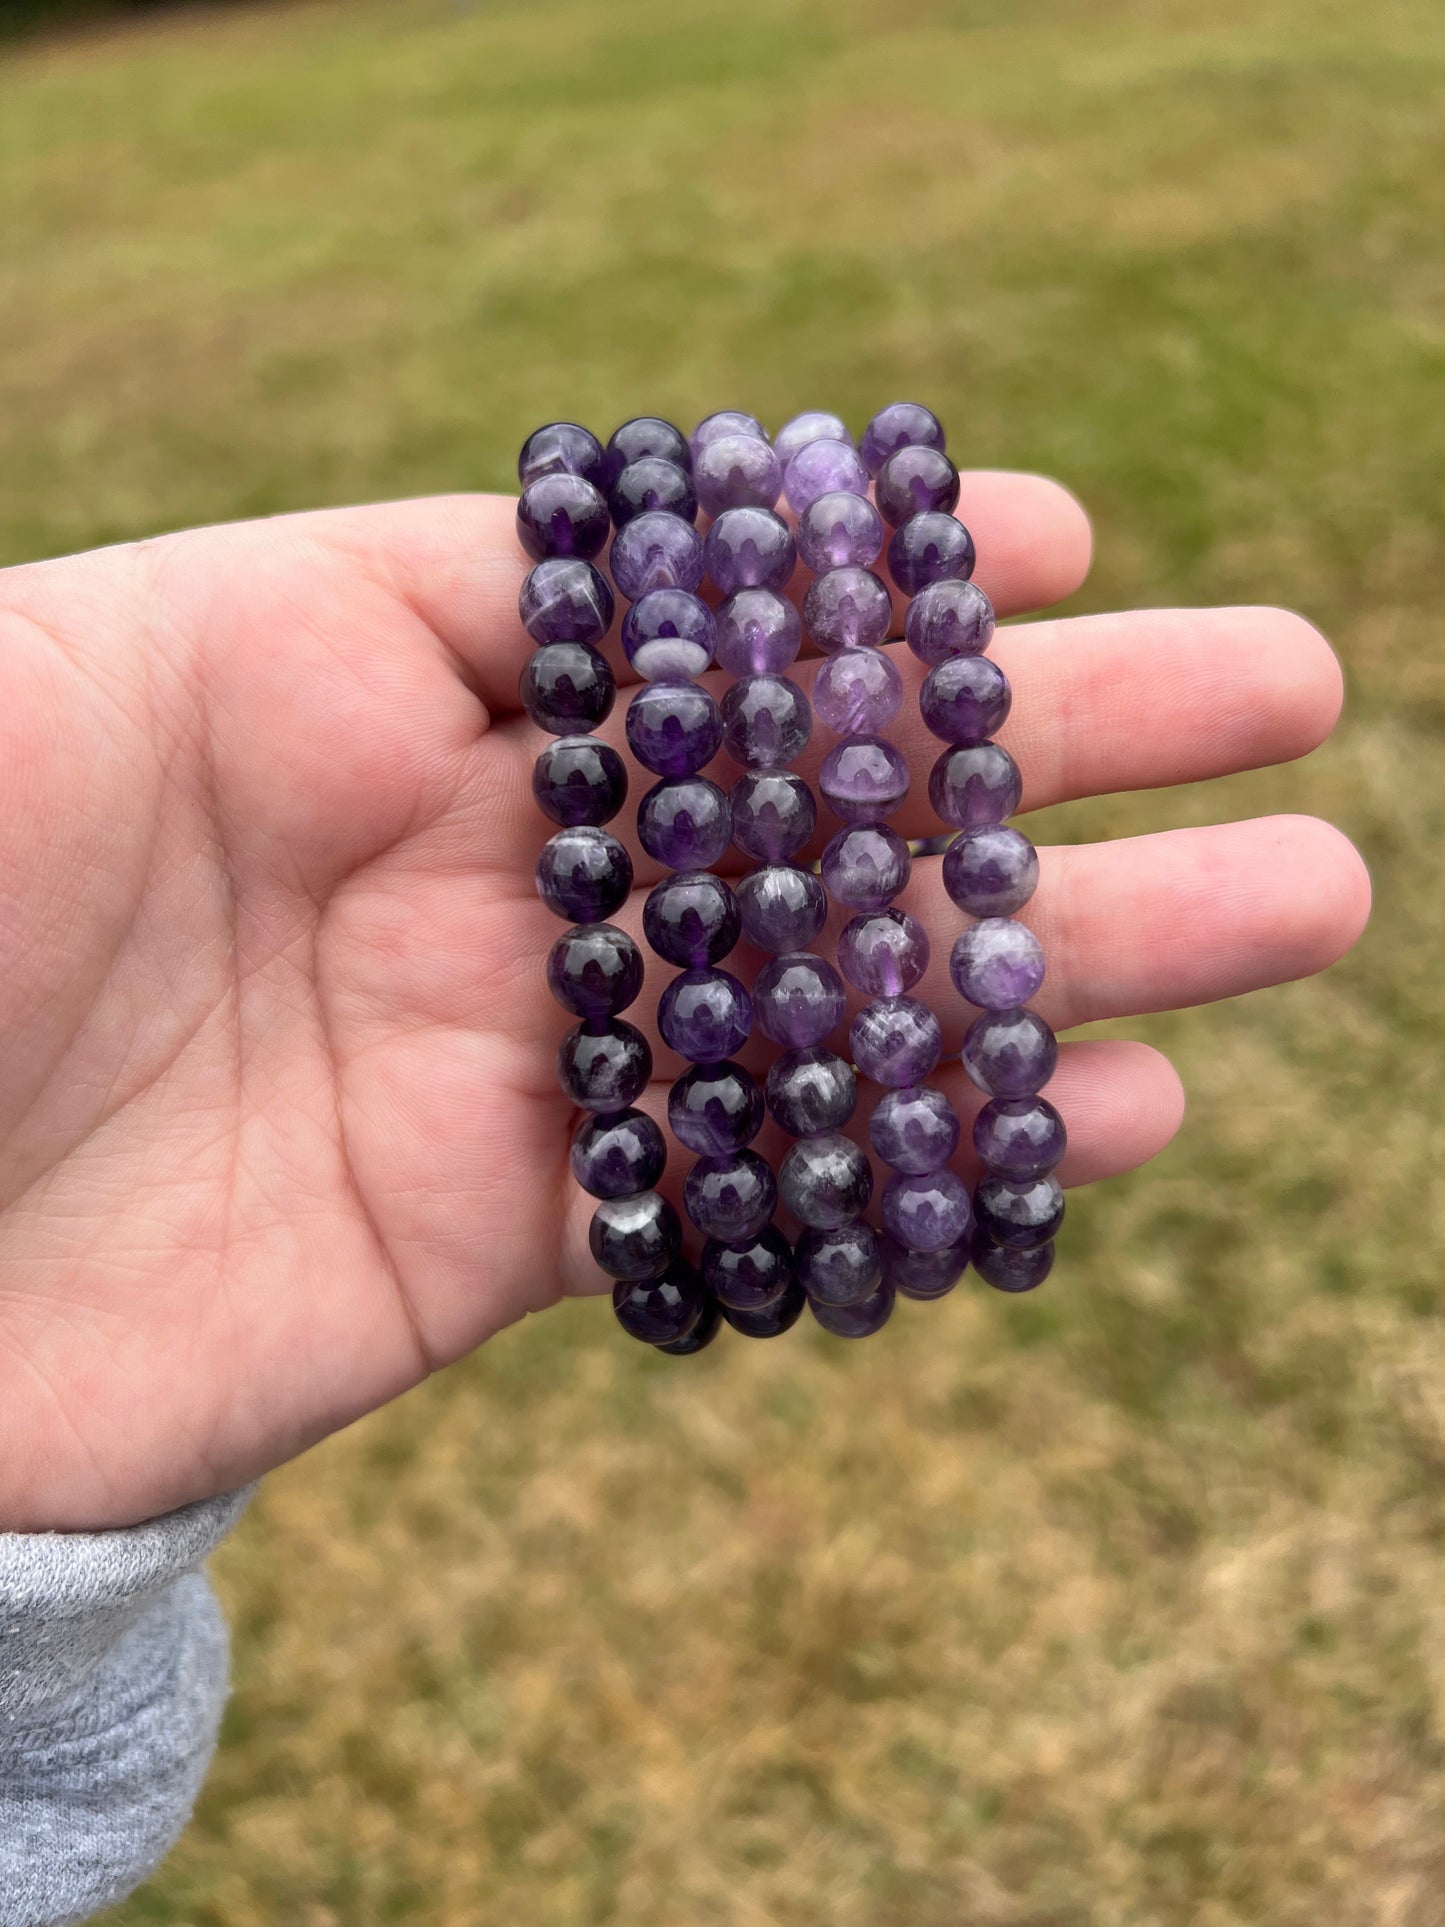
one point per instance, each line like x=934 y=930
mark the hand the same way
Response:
x=279 y=1131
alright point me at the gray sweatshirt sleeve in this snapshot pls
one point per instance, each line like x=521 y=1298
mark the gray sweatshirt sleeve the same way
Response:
x=113 y=1660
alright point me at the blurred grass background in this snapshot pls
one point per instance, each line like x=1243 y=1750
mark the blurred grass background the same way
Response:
x=1120 y=1606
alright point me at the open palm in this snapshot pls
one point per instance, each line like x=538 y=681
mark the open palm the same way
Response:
x=279 y=1129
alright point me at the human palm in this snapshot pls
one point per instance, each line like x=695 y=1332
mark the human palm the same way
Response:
x=279 y=1128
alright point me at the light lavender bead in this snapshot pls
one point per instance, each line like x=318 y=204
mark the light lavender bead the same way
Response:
x=883 y=954
x=927 y=1211
x=758 y=634
x=825 y=1181
x=782 y=908
x=990 y=871
x=840 y=531
x=1010 y=1053
x=950 y=618
x=749 y=548
x=655 y=550
x=727 y=421
x=737 y=471
x=812 y=426
x=798 y=999
x=997 y=964
x=863 y=779
x=914 y=1129
x=866 y=866
x=848 y=609
x=858 y=691
x=896 y=1041
x=823 y=468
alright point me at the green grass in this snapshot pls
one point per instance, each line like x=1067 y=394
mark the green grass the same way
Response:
x=1117 y=1608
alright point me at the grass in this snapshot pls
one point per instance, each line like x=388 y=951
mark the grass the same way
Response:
x=1119 y=1608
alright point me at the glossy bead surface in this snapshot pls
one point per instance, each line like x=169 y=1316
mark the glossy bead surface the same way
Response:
x=618 y=1154
x=635 y=1238
x=709 y=1324
x=1010 y=1053
x=883 y=953
x=562 y=448
x=604 y=1065
x=715 y=1108
x=567 y=688
x=823 y=468
x=766 y=722
x=1019 y=1212
x=814 y=425
x=655 y=551
x=839 y=1267
x=902 y=424
x=840 y=531
x=1008 y=1269
x=914 y=1129
x=773 y=814
x=685 y=822
x=857 y=691
x=578 y=779
x=927 y=1210
x=779 y=1317
x=652 y=483
x=862 y=1320
x=749 y=1275
x=668 y=635
x=929 y=548
x=896 y=1041
x=914 y=480
x=731 y=1198
x=782 y=908
x=758 y=634
x=691 y=919
x=965 y=700
x=725 y=421
x=584 y=874
x=949 y=618
x=847 y=609
x=997 y=964
x=646 y=435
x=924 y=1274
x=736 y=471
x=594 y=970
x=863 y=779
x=990 y=871
x=562 y=515
x=825 y=1181
x=566 y=600
x=660 y=1311
x=673 y=728
x=811 y=1092
x=975 y=786
x=705 y=1015
x=866 y=866
x=749 y=548
x=798 y=999
x=1020 y=1137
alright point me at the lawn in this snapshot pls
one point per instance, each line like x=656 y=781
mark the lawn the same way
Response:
x=1116 y=1607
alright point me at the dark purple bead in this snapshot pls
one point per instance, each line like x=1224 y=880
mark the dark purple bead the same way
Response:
x=782 y=908
x=1007 y=1268
x=726 y=421
x=883 y=953
x=673 y=728
x=825 y=1181
x=708 y=1325
x=685 y=822
x=914 y=480
x=975 y=786
x=565 y=600
x=715 y=1108
x=576 y=779
x=766 y=722
x=562 y=448
x=847 y=609
x=839 y=1267
x=651 y=483
x=902 y=424
x=823 y=468
x=660 y=1311
x=773 y=814
x=604 y=1065
x=668 y=635
x=775 y=1320
x=863 y=779
x=997 y=964
x=635 y=1238
x=584 y=874
x=798 y=999
x=866 y=866
x=924 y=1274
x=705 y=1015
x=896 y=1041
x=929 y=548
x=869 y=1315
x=949 y=618
x=594 y=970
x=914 y=1129
x=813 y=426
x=751 y=1276
x=562 y=515
x=749 y=548
x=840 y=531
x=731 y=1198
x=811 y=1092
x=618 y=1154
x=927 y=1210
x=655 y=551
x=965 y=700
x=758 y=634
x=691 y=920
x=990 y=871
x=1019 y=1137
x=857 y=691
x=646 y=435
x=1010 y=1053
x=737 y=471
x=1022 y=1213
x=567 y=688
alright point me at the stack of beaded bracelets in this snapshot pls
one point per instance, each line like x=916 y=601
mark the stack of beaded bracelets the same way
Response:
x=649 y=483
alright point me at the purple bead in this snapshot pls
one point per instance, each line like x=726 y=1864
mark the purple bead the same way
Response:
x=863 y=779
x=914 y=1129
x=766 y=721
x=1021 y=1213
x=773 y=814
x=758 y=634
x=927 y=1210
x=862 y=1320
x=750 y=1275
x=668 y=635
x=673 y=728
x=1019 y=1137
x=1010 y=1053
x=902 y=424
x=778 y=1317
x=913 y=481
x=840 y=531
x=798 y=999
x=604 y=1066
x=858 y=691
x=997 y=964
x=635 y=1238
x=651 y=483
x=565 y=600
x=594 y=971
x=823 y=468
x=731 y=1198
x=812 y=426
x=562 y=448
x=567 y=688
x=811 y=1092
x=706 y=1329
x=883 y=953
x=583 y=874
x=929 y=548
x=749 y=548
x=646 y=435
x=978 y=785
x=990 y=871
x=737 y=471
x=896 y=1041
x=660 y=1311
x=715 y=1108
x=705 y=1015
x=727 y=421
x=562 y=515
x=618 y=1154
x=685 y=822
x=691 y=920
x=839 y=1267
x=965 y=700
x=1008 y=1269
x=655 y=551
x=782 y=908
x=847 y=609
x=949 y=618
x=924 y=1274
x=866 y=866
x=576 y=779
x=825 y=1181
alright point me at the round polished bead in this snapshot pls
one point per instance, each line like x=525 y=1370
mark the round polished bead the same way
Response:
x=652 y=483
x=1019 y=1137
x=708 y=1325
x=715 y=1108
x=914 y=1129
x=929 y=548
x=782 y=908
x=883 y=953
x=692 y=919
x=823 y=468
x=924 y=1274
x=758 y=634
x=902 y=424
x=750 y=1275
x=847 y=609
x=773 y=814
x=977 y=785
x=565 y=599
x=862 y=1320
x=840 y=531
x=583 y=874
x=594 y=970
x=1019 y=1212
x=737 y=471
x=562 y=448
x=567 y=688
x=798 y=999
x=645 y=435
x=562 y=515
x=705 y=1015
x=775 y=1319
x=655 y=551
x=766 y=721
x=896 y=1041
x=635 y=1238
x=841 y=1266
x=726 y=421
x=604 y=1066
x=866 y=866
x=1010 y=1053
x=815 y=425
x=858 y=691
x=811 y=1092
x=685 y=822
x=914 y=480
x=949 y=618
x=668 y=635
x=997 y=964
x=927 y=1210
x=660 y=1311
x=577 y=779
x=965 y=700
x=618 y=1154
x=731 y=1198
x=749 y=548
x=825 y=1181
x=991 y=870
x=1007 y=1268
x=863 y=779
x=673 y=728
